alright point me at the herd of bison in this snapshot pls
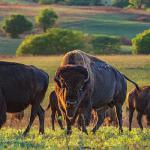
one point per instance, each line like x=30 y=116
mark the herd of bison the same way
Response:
x=85 y=88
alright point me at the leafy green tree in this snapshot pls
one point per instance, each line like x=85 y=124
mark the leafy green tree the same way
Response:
x=46 y=19
x=138 y=3
x=16 y=24
x=141 y=43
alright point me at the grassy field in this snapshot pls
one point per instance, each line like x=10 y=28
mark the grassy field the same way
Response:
x=106 y=138
x=93 y=20
x=135 y=67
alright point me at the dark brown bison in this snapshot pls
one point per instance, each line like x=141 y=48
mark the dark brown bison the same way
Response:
x=53 y=104
x=21 y=86
x=83 y=83
x=139 y=100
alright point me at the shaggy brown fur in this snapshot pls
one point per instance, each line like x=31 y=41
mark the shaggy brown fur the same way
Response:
x=139 y=100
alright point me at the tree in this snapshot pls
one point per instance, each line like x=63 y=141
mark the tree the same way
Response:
x=46 y=19
x=16 y=24
x=141 y=43
x=138 y=3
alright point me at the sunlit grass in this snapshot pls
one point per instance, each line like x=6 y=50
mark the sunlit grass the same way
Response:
x=105 y=138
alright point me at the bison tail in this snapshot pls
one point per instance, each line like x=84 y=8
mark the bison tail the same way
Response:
x=136 y=85
x=3 y=109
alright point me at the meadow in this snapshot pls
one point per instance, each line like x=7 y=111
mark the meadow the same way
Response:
x=135 y=67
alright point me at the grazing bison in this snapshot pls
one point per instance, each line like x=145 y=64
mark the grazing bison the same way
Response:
x=139 y=100
x=53 y=104
x=83 y=83
x=21 y=86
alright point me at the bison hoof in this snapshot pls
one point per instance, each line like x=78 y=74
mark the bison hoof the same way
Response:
x=120 y=130
x=85 y=131
x=69 y=132
x=25 y=134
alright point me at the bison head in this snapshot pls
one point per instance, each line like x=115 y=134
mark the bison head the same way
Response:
x=73 y=81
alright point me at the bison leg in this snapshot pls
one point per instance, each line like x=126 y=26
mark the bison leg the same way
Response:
x=82 y=123
x=32 y=117
x=3 y=109
x=53 y=118
x=41 y=115
x=131 y=111
x=101 y=117
x=119 y=116
x=69 y=130
x=139 y=118
x=60 y=119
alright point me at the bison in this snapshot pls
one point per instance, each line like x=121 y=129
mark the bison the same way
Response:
x=83 y=83
x=53 y=104
x=20 y=86
x=139 y=100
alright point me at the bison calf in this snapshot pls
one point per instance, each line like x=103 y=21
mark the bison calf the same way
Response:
x=139 y=100
x=53 y=104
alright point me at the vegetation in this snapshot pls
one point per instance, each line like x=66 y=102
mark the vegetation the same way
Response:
x=103 y=44
x=46 y=19
x=55 y=41
x=141 y=43
x=106 y=138
x=139 y=3
x=16 y=24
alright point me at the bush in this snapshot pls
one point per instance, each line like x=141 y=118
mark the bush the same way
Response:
x=16 y=24
x=46 y=19
x=141 y=43
x=105 y=44
x=55 y=41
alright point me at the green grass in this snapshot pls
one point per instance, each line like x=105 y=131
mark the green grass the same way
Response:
x=8 y=46
x=106 y=138
x=110 y=24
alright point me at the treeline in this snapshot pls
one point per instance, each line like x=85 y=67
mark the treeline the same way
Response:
x=117 y=3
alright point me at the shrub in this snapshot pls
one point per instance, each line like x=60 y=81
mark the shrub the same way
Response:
x=55 y=41
x=46 y=19
x=105 y=44
x=16 y=24
x=141 y=43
